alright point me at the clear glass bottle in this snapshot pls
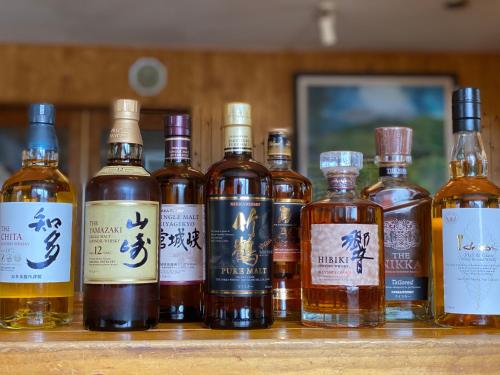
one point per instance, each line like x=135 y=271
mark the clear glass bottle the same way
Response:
x=182 y=235
x=407 y=227
x=342 y=251
x=238 y=193
x=466 y=239
x=291 y=191
x=37 y=216
x=121 y=287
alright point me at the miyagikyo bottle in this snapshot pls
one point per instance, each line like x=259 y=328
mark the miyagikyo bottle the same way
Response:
x=239 y=231
x=465 y=225
x=342 y=251
x=37 y=215
x=121 y=289
x=291 y=191
x=182 y=247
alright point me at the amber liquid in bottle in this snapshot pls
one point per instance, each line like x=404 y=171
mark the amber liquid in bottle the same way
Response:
x=181 y=273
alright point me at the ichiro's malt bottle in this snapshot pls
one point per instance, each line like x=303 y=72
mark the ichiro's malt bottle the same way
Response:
x=37 y=216
x=182 y=246
x=465 y=225
x=121 y=289
x=291 y=191
x=342 y=251
x=239 y=231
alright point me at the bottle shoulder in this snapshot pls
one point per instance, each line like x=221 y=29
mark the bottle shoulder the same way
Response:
x=288 y=175
x=332 y=203
x=467 y=186
x=238 y=167
x=168 y=173
x=393 y=192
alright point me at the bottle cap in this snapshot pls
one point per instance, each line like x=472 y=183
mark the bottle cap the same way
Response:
x=278 y=143
x=126 y=113
x=178 y=124
x=126 y=109
x=237 y=114
x=341 y=161
x=466 y=110
x=393 y=143
x=42 y=113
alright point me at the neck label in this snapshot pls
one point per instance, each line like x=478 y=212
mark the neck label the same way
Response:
x=237 y=138
x=177 y=148
x=393 y=172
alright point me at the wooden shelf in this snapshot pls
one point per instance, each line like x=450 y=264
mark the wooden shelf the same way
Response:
x=287 y=347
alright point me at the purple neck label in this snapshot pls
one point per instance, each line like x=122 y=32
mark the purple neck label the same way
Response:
x=393 y=172
x=177 y=148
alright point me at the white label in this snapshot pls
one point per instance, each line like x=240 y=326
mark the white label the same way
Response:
x=182 y=248
x=471 y=260
x=35 y=242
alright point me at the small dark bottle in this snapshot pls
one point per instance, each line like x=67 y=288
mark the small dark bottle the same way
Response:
x=239 y=231
x=121 y=289
x=182 y=234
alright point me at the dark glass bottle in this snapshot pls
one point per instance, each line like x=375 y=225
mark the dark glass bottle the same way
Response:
x=239 y=231
x=182 y=235
x=121 y=289
x=291 y=191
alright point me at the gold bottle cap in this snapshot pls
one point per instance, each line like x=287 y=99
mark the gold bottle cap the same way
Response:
x=278 y=143
x=237 y=114
x=126 y=113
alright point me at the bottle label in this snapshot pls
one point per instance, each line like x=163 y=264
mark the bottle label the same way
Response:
x=392 y=172
x=177 y=148
x=286 y=226
x=35 y=242
x=405 y=261
x=120 y=170
x=121 y=242
x=238 y=138
x=182 y=244
x=345 y=254
x=240 y=245
x=471 y=260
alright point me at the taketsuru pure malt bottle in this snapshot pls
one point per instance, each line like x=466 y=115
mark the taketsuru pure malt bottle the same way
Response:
x=37 y=215
x=121 y=289
x=239 y=231
x=291 y=191
x=182 y=244
x=342 y=251
x=465 y=226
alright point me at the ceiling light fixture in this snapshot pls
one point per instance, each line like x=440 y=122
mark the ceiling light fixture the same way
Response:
x=326 y=23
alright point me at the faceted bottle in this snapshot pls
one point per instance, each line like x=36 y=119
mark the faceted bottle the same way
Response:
x=37 y=216
x=466 y=239
x=342 y=251
x=407 y=227
x=121 y=289
x=239 y=231
x=291 y=191
x=182 y=233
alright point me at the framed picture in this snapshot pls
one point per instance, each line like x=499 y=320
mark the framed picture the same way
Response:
x=340 y=112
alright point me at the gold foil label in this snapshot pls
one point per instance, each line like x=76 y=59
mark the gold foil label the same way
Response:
x=237 y=138
x=122 y=170
x=345 y=254
x=121 y=242
x=125 y=131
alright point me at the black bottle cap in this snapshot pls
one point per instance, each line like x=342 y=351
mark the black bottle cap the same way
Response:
x=466 y=110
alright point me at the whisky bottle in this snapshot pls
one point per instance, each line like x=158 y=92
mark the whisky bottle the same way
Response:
x=407 y=226
x=342 y=251
x=37 y=216
x=182 y=234
x=239 y=231
x=121 y=289
x=466 y=239
x=291 y=191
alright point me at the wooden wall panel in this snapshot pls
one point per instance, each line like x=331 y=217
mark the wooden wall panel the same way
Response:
x=202 y=81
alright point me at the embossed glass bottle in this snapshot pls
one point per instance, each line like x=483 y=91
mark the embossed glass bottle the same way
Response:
x=466 y=239
x=121 y=289
x=37 y=216
x=407 y=227
x=239 y=231
x=342 y=251
x=291 y=191
x=182 y=244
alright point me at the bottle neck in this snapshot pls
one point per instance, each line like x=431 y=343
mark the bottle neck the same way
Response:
x=468 y=156
x=393 y=171
x=341 y=185
x=38 y=157
x=125 y=154
x=279 y=163
x=177 y=151
x=238 y=141
x=42 y=146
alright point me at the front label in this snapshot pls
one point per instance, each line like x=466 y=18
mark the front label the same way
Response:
x=121 y=242
x=182 y=244
x=286 y=226
x=345 y=254
x=35 y=242
x=122 y=170
x=240 y=245
x=471 y=260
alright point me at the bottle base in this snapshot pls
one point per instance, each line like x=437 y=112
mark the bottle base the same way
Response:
x=401 y=314
x=243 y=325
x=118 y=325
x=286 y=316
x=341 y=320
x=180 y=314
x=449 y=320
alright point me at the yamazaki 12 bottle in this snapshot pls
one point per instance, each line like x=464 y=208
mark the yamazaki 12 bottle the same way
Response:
x=121 y=289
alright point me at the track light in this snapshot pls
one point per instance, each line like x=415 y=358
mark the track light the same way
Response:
x=326 y=23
